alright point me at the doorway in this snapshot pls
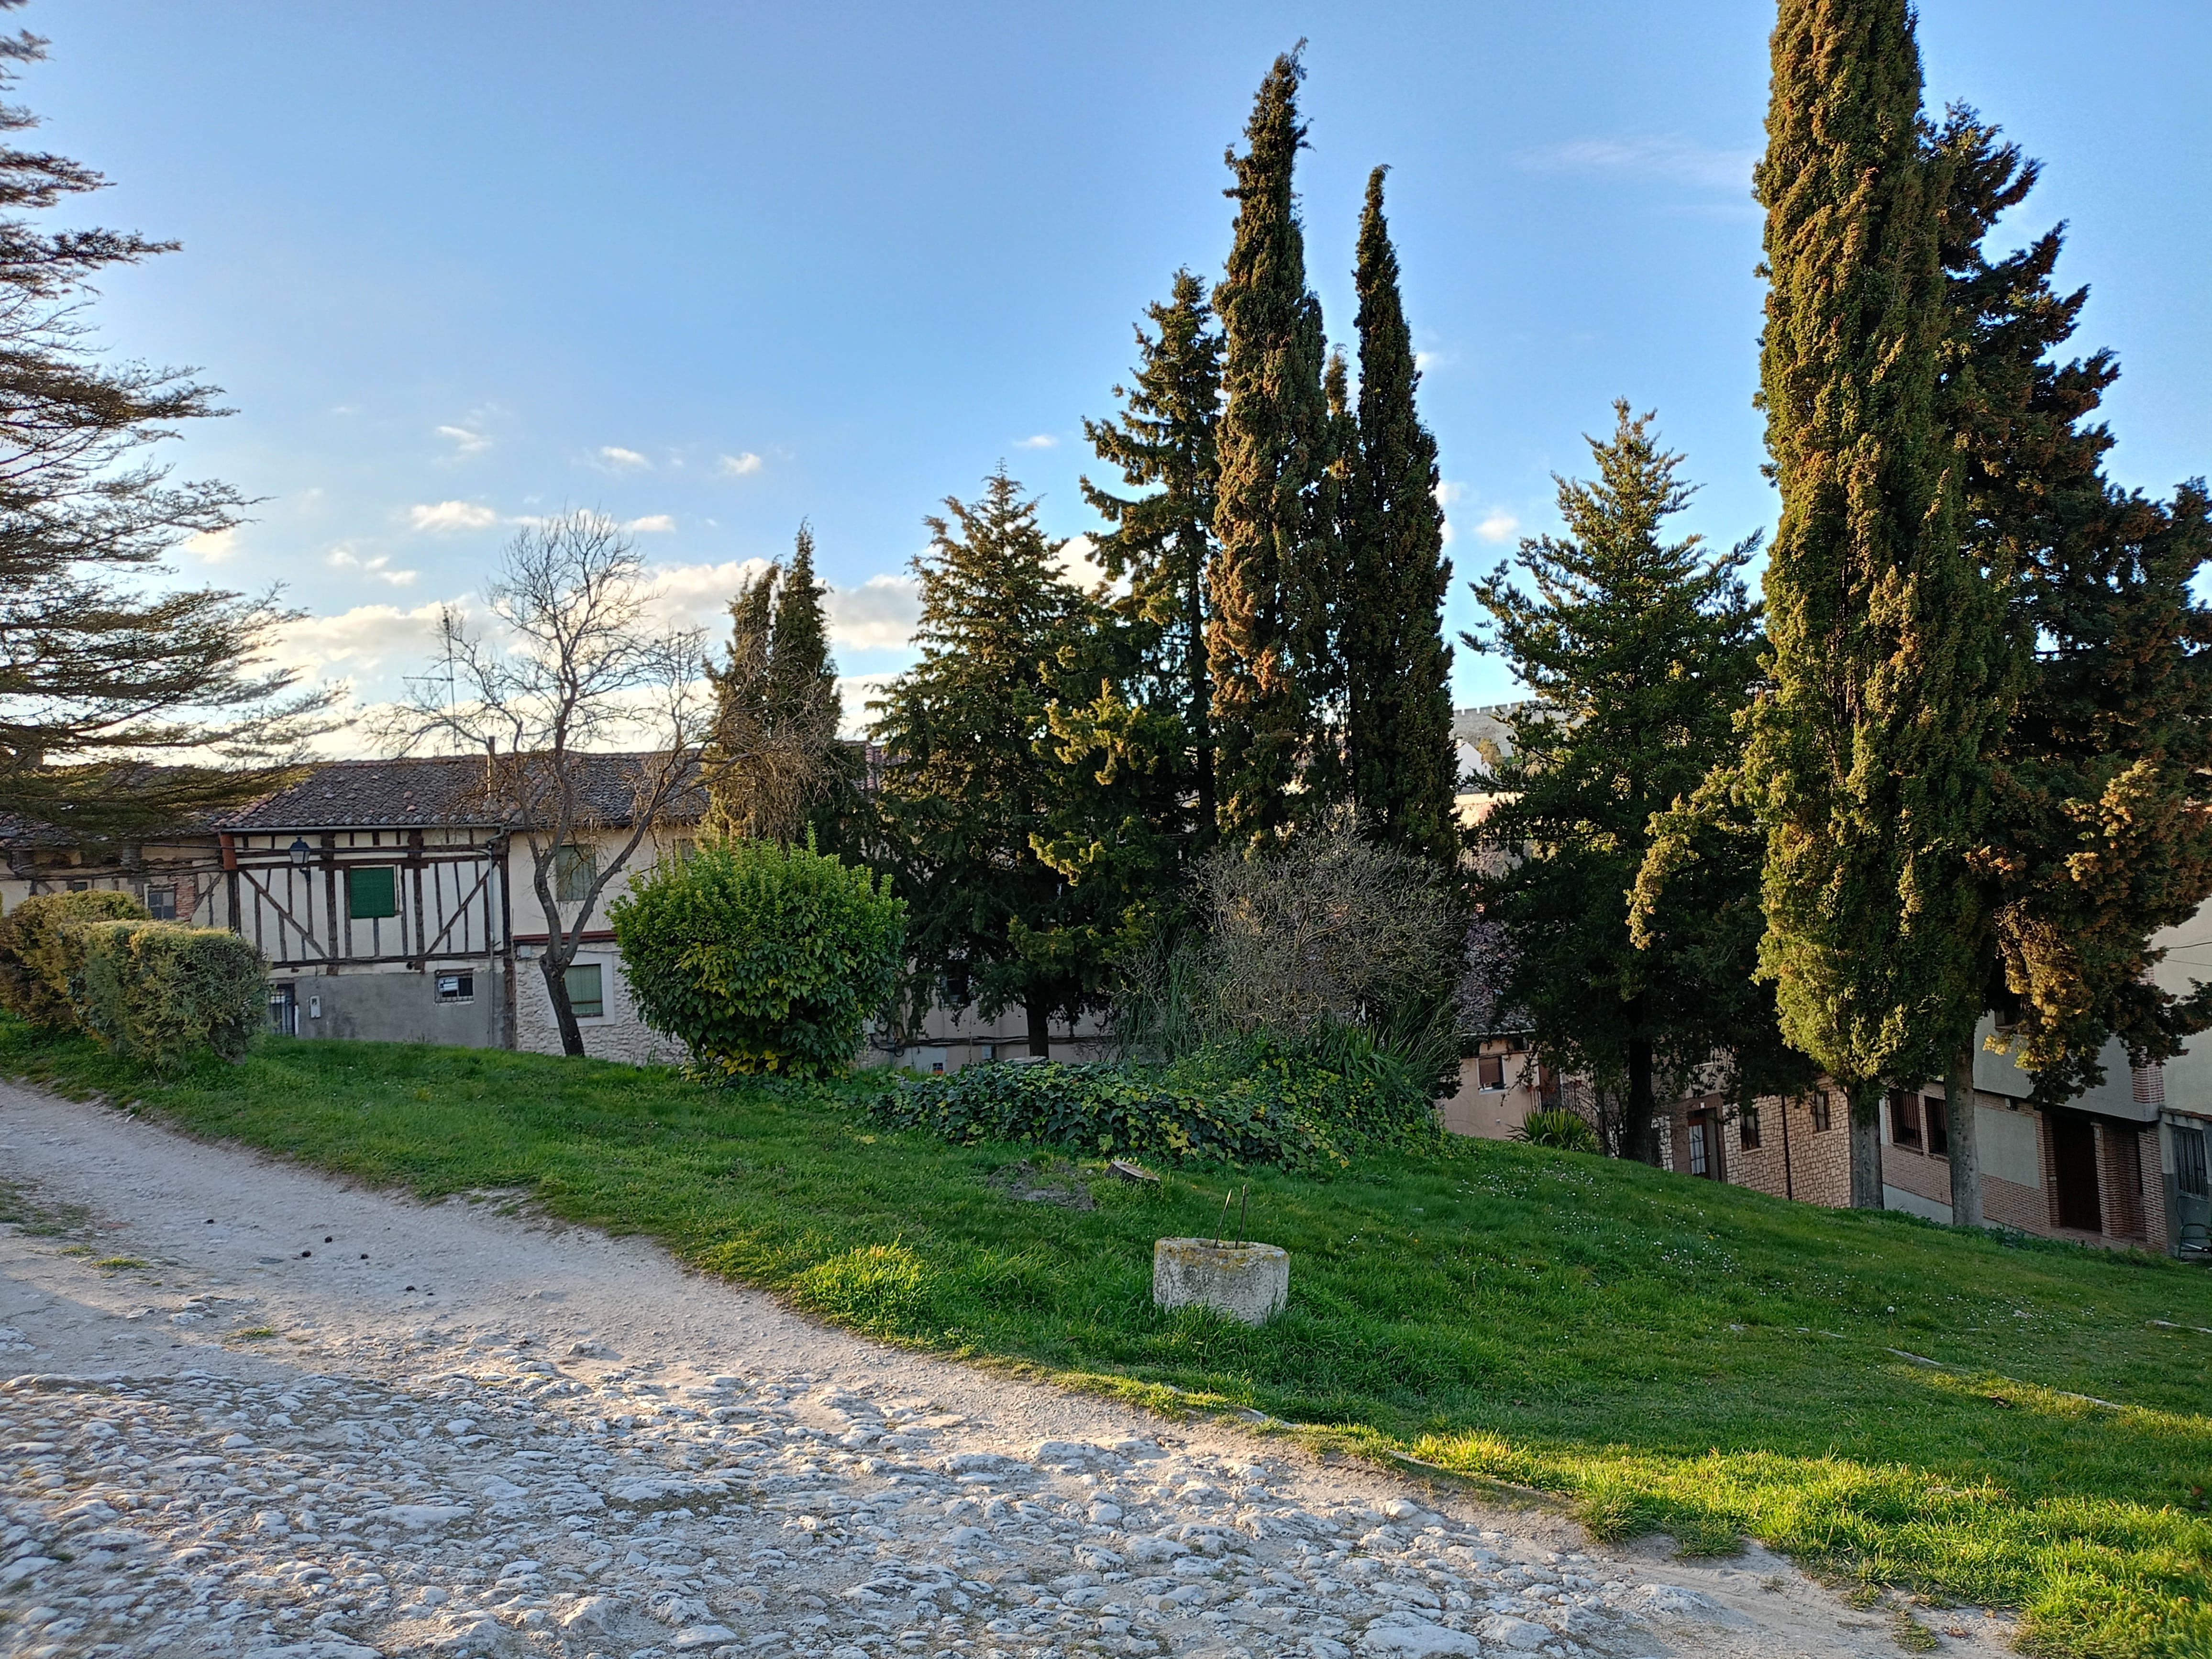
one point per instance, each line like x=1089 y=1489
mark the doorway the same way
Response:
x=2074 y=1171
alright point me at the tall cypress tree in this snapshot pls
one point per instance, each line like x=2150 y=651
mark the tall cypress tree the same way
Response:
x=970 y=779
x=1270 y=576
x=1890 y=660
x=1162 y=542
x=1397 y=667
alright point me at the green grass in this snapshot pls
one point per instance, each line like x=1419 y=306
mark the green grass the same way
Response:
x=1669 y=1354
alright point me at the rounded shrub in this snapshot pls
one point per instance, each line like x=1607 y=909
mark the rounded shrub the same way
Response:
x=1559 y=1129
x=760 y=958
x=159 y=992
x=41 y=952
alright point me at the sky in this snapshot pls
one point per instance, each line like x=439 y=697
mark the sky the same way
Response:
x=715 y=269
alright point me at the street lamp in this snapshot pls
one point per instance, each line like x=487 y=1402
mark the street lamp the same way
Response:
x=301 y=852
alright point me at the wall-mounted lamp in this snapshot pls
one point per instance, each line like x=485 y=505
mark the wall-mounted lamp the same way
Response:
x=301 y=852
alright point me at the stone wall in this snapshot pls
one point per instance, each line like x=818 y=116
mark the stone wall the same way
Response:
x=619 y=1033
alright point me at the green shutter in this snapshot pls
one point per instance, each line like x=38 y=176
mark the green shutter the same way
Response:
x=585 y=1000
x=371 y=892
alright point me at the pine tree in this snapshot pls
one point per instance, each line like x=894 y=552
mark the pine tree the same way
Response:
x=2101 y=827
x=969 y=778
x=1272 y=581
x=772 y=757
x=1890 y=663
x=1404 y=763
x=1640 y=652
x=1162 y=542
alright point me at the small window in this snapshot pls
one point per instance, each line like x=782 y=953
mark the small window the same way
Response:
x=1490 y=1073
x=80 y=887
x=1747 y=1125
x=1903 y=1119
x=1822 y=1122
x=372 y=891
x=1700 y=1154
x=162 y=904
x=585 y=1001
x=2190 y=1173
x=1938 y=1115
x=574 y=869
x=456 y=987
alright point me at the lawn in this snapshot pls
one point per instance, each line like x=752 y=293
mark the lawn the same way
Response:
x=1669 y=1353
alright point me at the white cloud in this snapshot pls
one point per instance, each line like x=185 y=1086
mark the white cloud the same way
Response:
x=1658 y=156
x=369 y=641
x=741 y=465
x=621 y=459
x=1039 y=441
x=465 y=442
x=1448 y=491
x=344 y=558
x=451 y=516
x=855 y=691
x=1499 y=525
x=878 y=615
x=1425 y=360
x=213 y=545
x=653 y=524
x=699 y=595
x=1077 y=567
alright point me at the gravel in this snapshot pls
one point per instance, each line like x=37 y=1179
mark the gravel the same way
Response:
x=454 y=1431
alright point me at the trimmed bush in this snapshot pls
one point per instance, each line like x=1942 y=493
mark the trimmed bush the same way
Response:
x=762 y=959
x=39 y=955
x=159 y=992
x=1310 y=1103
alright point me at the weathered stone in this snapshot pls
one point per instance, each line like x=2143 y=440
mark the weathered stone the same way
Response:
x=1249 y=1282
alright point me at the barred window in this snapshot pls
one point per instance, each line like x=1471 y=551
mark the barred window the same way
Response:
x=2190 y=1173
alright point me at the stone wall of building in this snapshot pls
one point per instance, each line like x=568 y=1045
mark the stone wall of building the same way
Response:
x=618 y=1034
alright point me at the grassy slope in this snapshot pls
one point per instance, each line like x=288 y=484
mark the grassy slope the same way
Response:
x=1675 y=1354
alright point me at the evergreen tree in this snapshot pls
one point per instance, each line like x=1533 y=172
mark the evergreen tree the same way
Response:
x=1271 y=579
x=97 y=667
x=1640 y=652
x=1890 y=661
x=772 y=755
x=1403 y=761
x=1161 y=545
x=2100 y=833
x=969 y=778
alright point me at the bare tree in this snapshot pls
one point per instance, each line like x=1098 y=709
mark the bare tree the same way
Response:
x=574 y=664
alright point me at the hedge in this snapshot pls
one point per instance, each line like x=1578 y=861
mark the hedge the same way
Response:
x=36 y=960
x=157 y=992
x=762 y=959
x=1304 y=1103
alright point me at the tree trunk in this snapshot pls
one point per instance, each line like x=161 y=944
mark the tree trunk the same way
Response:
x=1966 y=1160
x=1637 y=1139
x=1866 y=1147
x=1040 y=1015
x=564 y=1016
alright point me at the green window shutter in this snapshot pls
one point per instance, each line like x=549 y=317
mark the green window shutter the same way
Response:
x=574 y=869
x=371 y=892
x=586 y=999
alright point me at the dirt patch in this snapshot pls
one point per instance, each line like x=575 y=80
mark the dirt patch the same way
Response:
x=1044 y=1181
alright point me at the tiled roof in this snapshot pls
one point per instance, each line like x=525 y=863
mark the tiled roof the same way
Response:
x=446 y=791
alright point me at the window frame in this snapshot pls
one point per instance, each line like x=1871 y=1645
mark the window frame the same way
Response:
x=1902 y=1101
x=2190 y=1159
x=1935 y=1125
x=575 y=867
x=465 y=991
x=594 y=1007
x=164 y=908
x=1490 y=1074
x=353 y=900
x=1747 y=1128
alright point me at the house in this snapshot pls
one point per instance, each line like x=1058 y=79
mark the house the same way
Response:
x=391 y=901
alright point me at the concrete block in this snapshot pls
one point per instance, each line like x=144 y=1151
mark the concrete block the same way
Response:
x=1250 y=1282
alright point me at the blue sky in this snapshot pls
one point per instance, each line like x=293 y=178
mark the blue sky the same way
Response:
x=715 y=267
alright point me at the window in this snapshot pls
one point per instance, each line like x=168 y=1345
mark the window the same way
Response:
x=1939 y=1126
x=1490 y=1073
x=2190 y=1173
x=1700 y=1152
x=574 y=869
x=372 y=891
x=1903 y=1119
x=162 y=904
x=1748 y=1124
x=80 y=887
x=456 y=987
x=586 y=999
x=1821 y=1122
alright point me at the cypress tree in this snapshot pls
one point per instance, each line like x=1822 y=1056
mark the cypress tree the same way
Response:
x=1271 y=581
x=970 y=776
x=1162 y=542
x=1889 y=663
x=1398 y=669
